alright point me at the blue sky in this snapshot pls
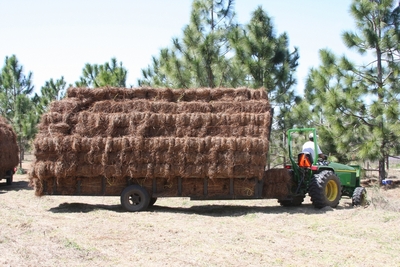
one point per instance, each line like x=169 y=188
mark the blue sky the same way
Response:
x=54 y=38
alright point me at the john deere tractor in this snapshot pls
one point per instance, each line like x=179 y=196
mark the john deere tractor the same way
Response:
x=325 y=182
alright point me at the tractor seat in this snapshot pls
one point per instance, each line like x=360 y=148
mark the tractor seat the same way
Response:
x=304 y=159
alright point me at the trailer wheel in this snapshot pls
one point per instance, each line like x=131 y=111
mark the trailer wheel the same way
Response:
x=359 y=197
x=9 y=178
x=325 y=189
x=135 y=198
x=152 y=201
x=295 y=201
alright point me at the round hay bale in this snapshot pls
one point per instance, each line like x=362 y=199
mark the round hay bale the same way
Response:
x=8 y=146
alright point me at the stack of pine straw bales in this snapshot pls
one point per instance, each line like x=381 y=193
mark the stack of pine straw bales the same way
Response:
x=135 y=135
x=8 y=148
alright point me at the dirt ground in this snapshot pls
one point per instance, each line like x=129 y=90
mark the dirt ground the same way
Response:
x=96 y=231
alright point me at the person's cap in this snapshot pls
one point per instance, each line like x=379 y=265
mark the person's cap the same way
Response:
x=311 y=135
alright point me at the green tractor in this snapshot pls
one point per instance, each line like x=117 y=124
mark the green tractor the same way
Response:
x=325 y=182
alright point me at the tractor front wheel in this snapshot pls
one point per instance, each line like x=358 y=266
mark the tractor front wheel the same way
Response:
x=325 y=189
x=359 y=197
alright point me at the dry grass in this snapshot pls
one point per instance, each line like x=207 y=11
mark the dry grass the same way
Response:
x=90 y=231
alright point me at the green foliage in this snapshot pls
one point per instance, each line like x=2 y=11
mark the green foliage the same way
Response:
x=216 y=52
x=199 y=58
x=264 y=57
x=13 y=83
x=360 y=104
x=51 y=91
x=108 y=74
x=15 y=102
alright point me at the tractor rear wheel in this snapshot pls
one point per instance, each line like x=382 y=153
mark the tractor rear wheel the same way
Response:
x=135 y=198
x=359 y=197
x=325 y=189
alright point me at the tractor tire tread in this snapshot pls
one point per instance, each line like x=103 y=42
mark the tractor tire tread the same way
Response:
x=317 y=189
x=359 y=197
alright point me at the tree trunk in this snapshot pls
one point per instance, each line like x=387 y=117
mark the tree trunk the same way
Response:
x=20 y=153
x=387 y=162
x=382 y=172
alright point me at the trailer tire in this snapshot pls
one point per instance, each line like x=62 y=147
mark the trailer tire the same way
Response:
x=152 y=201
x=135 y=198
x=9 y=177
x=294 y=202
x=325 y=189
x=359 y=197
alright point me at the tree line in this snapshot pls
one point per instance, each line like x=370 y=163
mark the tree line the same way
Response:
x=355 y=108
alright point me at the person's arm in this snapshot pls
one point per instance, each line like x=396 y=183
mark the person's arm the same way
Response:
x=320 y=154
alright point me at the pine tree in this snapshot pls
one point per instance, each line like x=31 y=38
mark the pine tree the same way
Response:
x=51 y=91
x=266 y=61
x=108 y=74
x=15 y=103
x=200 y=58
x=360 y=104
x=13 y=83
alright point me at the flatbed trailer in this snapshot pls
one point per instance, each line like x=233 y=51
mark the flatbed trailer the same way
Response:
x=142 y=144
x=8 y=176
x=139 y=194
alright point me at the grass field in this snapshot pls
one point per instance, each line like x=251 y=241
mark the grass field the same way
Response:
x=96 y=231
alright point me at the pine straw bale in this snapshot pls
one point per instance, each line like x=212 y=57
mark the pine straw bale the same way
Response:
x=68 y=105
x=179 y=125
x=243 y=146
x=166 y=94
x=45 y=170
x=250 y=106
x=113 y=106
x=116 y=93
x=38 y=184
x=143 y=133
x=8 y=146
x=59 y=128
x=50 y=118
x=277 y=183
x=214 y=157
